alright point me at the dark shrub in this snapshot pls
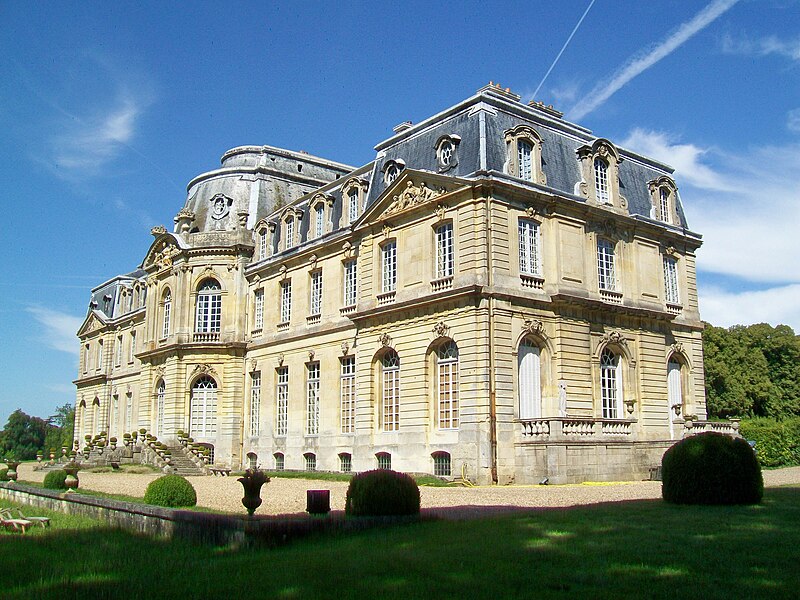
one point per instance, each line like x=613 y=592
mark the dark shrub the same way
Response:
x=54 y=480
x=711 y=468
x=171 y=491
x=382 y=492
x=4 y=474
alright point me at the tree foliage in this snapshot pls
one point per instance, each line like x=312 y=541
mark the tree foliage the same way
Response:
x=752 y=371
x=22 y=436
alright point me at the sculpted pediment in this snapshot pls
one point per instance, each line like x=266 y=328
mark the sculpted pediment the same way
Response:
x=161 y=254
x=410 y=196
x=91 y=323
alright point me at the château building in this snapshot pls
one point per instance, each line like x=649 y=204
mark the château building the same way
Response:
x=498 y=295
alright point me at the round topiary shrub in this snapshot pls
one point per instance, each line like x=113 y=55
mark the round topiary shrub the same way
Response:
x=711 y=468
x=172 y=491
x=55 y=480
x=382 y=492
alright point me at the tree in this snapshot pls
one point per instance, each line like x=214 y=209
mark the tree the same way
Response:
x=60 y=426
x=22 y=436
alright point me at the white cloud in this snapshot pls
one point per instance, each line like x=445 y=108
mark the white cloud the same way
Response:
x=775 y=306
x=59 y=329
x=643 y=61
x=87 y=144
x=762 y=47
x=793 y=120
x=744 y=204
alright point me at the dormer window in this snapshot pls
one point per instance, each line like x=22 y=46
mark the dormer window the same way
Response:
x=600 y=175
x=352 y=205
x=524 y=154
x=289 y=232
x=447 y=152
x=663 y=194
x=354 y=192
x=319 y=219
x=391 y=170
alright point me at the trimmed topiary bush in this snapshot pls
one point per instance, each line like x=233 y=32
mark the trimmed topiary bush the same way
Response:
x=711 y=468
x=55 y=480
x=172 y=491
x=382 y=492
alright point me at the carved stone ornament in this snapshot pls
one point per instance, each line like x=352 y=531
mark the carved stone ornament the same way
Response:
x=312 y=260
x=220 y=206
x=385 y=339
x=283 y=271
x=670 y=251
x=441 y=329
x=533 y=326
x=345 y=348
x=347 y=249
x=253 y=365
x=311 y=354
x=204 y=369
x=410 y=197
x=615 y=337
x=441 y=209
x=184 y=213
x=677 y=348
x=242 y=216
x=158 y=230
x=281 y=358
x=629 y=404
x=387 y=230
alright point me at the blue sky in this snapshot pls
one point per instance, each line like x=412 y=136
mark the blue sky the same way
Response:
x=107 y=110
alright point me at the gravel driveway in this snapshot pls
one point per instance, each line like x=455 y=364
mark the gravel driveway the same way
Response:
x=287 y=496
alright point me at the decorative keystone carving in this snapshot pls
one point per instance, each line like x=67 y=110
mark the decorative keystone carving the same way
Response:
x=253 y=365
x=205 y=370
x=345 y=348
x=348 y=250
x=281 y=358
x=311 y=354
x=411 y=197
x=441 y=210
x=615 y=337
x=441 y=329
x=533 y=326
x=312 y=260
x=677 y=348
x=387 y=230
x=385 y=339
x=159 y=371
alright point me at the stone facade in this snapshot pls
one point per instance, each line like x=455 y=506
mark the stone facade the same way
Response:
x=498 y=295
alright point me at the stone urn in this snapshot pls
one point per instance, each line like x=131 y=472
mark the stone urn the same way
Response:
x=251 y=482
x=12 y=469
x=39 y=457
x=71 y=469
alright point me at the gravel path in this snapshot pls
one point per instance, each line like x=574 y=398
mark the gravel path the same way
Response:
x=288 y=496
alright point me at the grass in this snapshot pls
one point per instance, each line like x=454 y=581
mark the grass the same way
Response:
x=622 y=550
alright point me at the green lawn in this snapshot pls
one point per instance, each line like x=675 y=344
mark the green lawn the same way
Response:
x=642 y=549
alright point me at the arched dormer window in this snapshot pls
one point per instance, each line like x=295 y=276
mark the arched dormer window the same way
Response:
x=600 y=174
x=524 y=154
x=447 y=152
x=354 y=194
x=208 y=317
x=663 y=195
x=391 y=170
x=291 y=227
x=263 y=244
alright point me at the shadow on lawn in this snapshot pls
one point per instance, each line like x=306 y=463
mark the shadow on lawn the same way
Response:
x=617 y=550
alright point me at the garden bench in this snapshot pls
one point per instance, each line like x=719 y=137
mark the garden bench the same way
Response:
x=43 y=521
x=221 y=471
x=14 y=524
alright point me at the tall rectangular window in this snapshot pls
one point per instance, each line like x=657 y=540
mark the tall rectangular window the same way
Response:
x=262 y=244
x=601 y=180
x=312 y=400
x=128 y=411
x=86 y=359
x=390 y=414
x=282 y=402
x=316 y=293
x=319 y=220
x=352 y=206
x=524 y=151
x=118 y=351
x=444 y=251
x=167 y=314
x=348 y=394
x=605 y=265
x=286 y=300
x=350 y=283
x=389 y=267
x=132 y=352
x=255 y=403
x=529 y=253
x=99 y=364
x=258 y=309
x=289 y=233
x=663 y=197
x=671 y=281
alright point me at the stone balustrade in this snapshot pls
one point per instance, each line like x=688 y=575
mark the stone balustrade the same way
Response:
x=693 y=427
x=561 y=428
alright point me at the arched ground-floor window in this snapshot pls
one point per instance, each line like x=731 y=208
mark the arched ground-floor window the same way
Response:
x=203 y=408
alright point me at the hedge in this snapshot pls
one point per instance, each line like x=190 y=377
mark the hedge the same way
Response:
x=777 y=442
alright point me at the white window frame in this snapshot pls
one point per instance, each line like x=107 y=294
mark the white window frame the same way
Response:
x=445 y=251
x=529 y=233
x=347 y=394
x=258 y=309
x=345 y=462
x=311 y=461
x=87 y=357
x=99 y=357
x=255 y=404
x=315 y=303
x=282 y=402
x=384 y=460
x=132 y=349
x=447 y=391
x=611 y=386
x=606 y=265
x=203 y=408
x=208 y=316
x=352 y=205
x=671 y=290
x=442 y=464
x=166 y=315
x=161 y=393
x=118 y=351
x=319 y=220
x=128 y=411
x=390 y=391
x=601 y=187
x=350 y=282
x=262 y=244
x=664 y=204
x=286 y=300
x=289 y=233
x=524 y=159
x=529 y=373
x=312 y=398
x=389 y=267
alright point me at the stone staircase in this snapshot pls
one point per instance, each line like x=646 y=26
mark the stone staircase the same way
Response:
x=182 y=464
